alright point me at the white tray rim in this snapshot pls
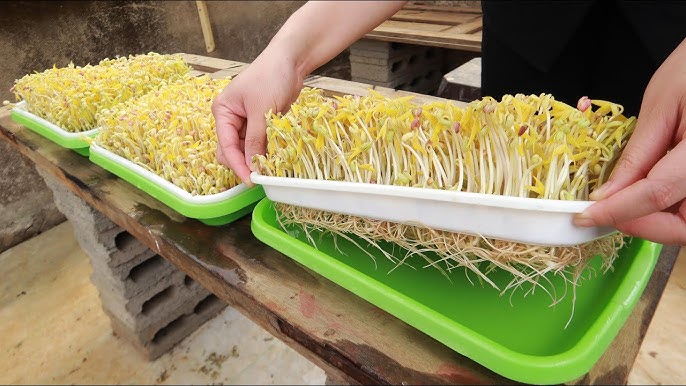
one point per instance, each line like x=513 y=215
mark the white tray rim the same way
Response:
x=531 y=221
x=166 y=185
x=481 y=199
x=20 y=108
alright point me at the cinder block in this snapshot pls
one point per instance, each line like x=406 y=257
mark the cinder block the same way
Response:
x=148 y=312
x=390 y=54
x=423 y=83
x=134 y=277
x=375 y=45
x=394 y=70
x=98 y=236
x=115 y=246
x=150 y=303
x=366 y=48
x=166 y=337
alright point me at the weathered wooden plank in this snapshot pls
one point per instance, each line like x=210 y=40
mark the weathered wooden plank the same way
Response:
x=411 y=27
x=333 y=86
x=467 y=28
x=228 y=72
x=422 y=31
x=197 y=73
x=457 y=28
x=433 y=17
x=198 y=61
x=440 y=8
x=428 y=41
x=337 y=330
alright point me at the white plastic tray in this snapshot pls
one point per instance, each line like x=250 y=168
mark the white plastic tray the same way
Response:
x=526 y=220
x=169 y=187
x=20 y=108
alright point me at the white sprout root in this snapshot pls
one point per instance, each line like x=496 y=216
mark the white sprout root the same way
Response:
x=448 y=251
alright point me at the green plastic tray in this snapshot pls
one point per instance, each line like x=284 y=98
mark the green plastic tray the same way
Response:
x=217 y=209
x=74 y=141
x=521 y=338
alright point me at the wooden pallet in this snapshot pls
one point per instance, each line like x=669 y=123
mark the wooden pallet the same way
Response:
x=433 y=25
x=221 y=68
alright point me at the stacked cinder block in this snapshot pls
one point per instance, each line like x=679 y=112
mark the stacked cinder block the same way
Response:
x=150 y=302
x=395 y=65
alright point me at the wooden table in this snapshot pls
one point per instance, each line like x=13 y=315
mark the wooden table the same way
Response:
x=451 y=27
x=352 y=340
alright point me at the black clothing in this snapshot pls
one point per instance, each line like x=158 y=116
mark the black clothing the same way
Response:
x=604 y=49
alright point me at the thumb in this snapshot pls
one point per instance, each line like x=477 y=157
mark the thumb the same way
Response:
x=647 y=144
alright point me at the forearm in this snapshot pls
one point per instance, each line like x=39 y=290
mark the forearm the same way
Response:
x=320 y=30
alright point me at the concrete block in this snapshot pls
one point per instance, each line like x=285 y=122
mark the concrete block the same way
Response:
x=397 y=69
x=423 y=83
x=150 y=303
x=189 y=318
x=148 y=312
x=463 y=83
x=383 y=50
x=134 y=277
x=98 y=236
x=374 y=45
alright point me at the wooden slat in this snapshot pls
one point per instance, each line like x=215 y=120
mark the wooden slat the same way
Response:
x=412 y=27
x=467 y=28
x=333 y=86
x=231 y=72
x=205 y=61
x=441 y=8
x=404 y=32
x=447 y=18
x=453 y=45
x=422 y=24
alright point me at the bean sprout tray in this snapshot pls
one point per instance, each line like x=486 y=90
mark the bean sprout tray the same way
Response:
x=214 y=209
x=526 y=220
x=74 y=141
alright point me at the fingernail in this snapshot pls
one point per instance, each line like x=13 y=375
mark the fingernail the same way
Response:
x=584 y=220
x=601 y=192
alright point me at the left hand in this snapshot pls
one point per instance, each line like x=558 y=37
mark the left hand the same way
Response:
x=645 y=194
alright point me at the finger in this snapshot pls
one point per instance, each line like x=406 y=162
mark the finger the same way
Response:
x=220 y=155
x=650 y=140
x=660 y=227
x=228 y=141
x=664 y=186
x=255 y=137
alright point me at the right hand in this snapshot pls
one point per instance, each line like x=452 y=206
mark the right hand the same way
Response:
x=270 y=82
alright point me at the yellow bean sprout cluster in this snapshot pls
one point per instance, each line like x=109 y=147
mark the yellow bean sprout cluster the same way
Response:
x=70 y=97
x=523 y=146
x=171 y=132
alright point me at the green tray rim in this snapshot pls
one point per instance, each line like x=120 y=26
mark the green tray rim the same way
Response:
x=215 y=213
x=558 y=368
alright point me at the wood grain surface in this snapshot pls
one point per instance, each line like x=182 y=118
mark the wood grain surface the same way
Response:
x=458 y=28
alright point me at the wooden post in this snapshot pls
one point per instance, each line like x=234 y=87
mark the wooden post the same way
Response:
x=205 y=25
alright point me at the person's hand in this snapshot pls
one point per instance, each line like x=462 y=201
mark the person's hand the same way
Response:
x=644 y=196
x=270 y=82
